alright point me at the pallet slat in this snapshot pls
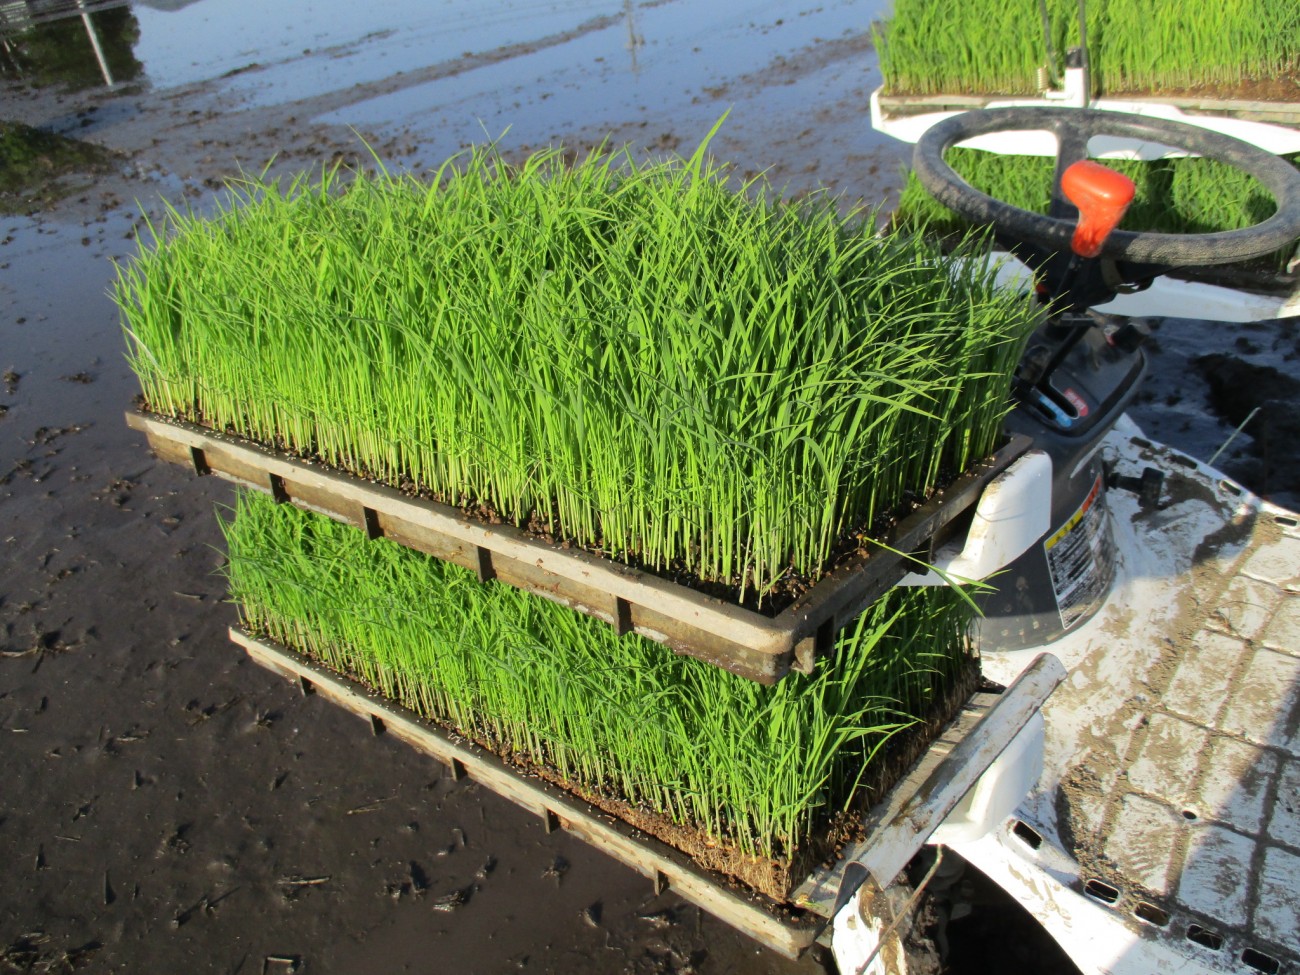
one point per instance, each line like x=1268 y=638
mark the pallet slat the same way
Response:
x=743 y=641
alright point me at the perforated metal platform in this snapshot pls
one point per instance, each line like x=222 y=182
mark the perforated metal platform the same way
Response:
x=1165 y=835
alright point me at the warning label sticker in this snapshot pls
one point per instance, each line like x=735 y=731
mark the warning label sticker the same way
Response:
x=1081 y=559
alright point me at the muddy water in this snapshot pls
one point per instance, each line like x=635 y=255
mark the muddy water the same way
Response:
x=168 y=806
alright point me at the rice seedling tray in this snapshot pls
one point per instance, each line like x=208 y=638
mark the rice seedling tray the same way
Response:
x=896 y=828
x=744 y=641
x=1196 y=51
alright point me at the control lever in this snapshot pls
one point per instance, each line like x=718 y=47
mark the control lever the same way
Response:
x=1102 y=196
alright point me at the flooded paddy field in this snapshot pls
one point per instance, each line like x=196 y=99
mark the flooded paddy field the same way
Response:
x=170 y=806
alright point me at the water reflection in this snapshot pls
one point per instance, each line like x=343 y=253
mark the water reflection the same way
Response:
x=73 y=44
x=431 y=76
x=634 y=40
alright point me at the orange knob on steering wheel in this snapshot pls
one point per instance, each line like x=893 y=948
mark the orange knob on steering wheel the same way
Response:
x=1102 y=195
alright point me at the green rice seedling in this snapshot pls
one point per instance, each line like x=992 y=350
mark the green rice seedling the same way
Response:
x=1205 y=195
x=742 y=770
x=1195 y=44
x=929 y=47
x=631 y=355
x=1175 y=196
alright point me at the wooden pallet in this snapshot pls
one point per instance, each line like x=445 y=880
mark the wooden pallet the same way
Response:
x=1276 y=113
x=898 y=827
x=748 y=643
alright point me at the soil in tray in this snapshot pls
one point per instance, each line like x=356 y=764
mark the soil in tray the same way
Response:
x=1284 y=89
x=758 y=783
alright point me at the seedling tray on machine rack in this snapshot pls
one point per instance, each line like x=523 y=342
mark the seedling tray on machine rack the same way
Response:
x=746 y=642
x=893 y=830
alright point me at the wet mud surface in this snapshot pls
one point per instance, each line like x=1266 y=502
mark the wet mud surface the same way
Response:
x=1209 y=380
x=168 y=805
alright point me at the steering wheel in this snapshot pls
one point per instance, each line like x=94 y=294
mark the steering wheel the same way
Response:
x=1073 y=128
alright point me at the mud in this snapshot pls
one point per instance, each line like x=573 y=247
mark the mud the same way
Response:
x=1229 y=391
x=1261 y=399
x=168 y=806
x=41 y=167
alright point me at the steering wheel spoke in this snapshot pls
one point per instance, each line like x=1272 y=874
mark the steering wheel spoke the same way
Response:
x=1071 y=147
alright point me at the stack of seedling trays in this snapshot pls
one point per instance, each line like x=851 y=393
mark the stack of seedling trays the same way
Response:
x=1239 y=60
x=709 y=428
